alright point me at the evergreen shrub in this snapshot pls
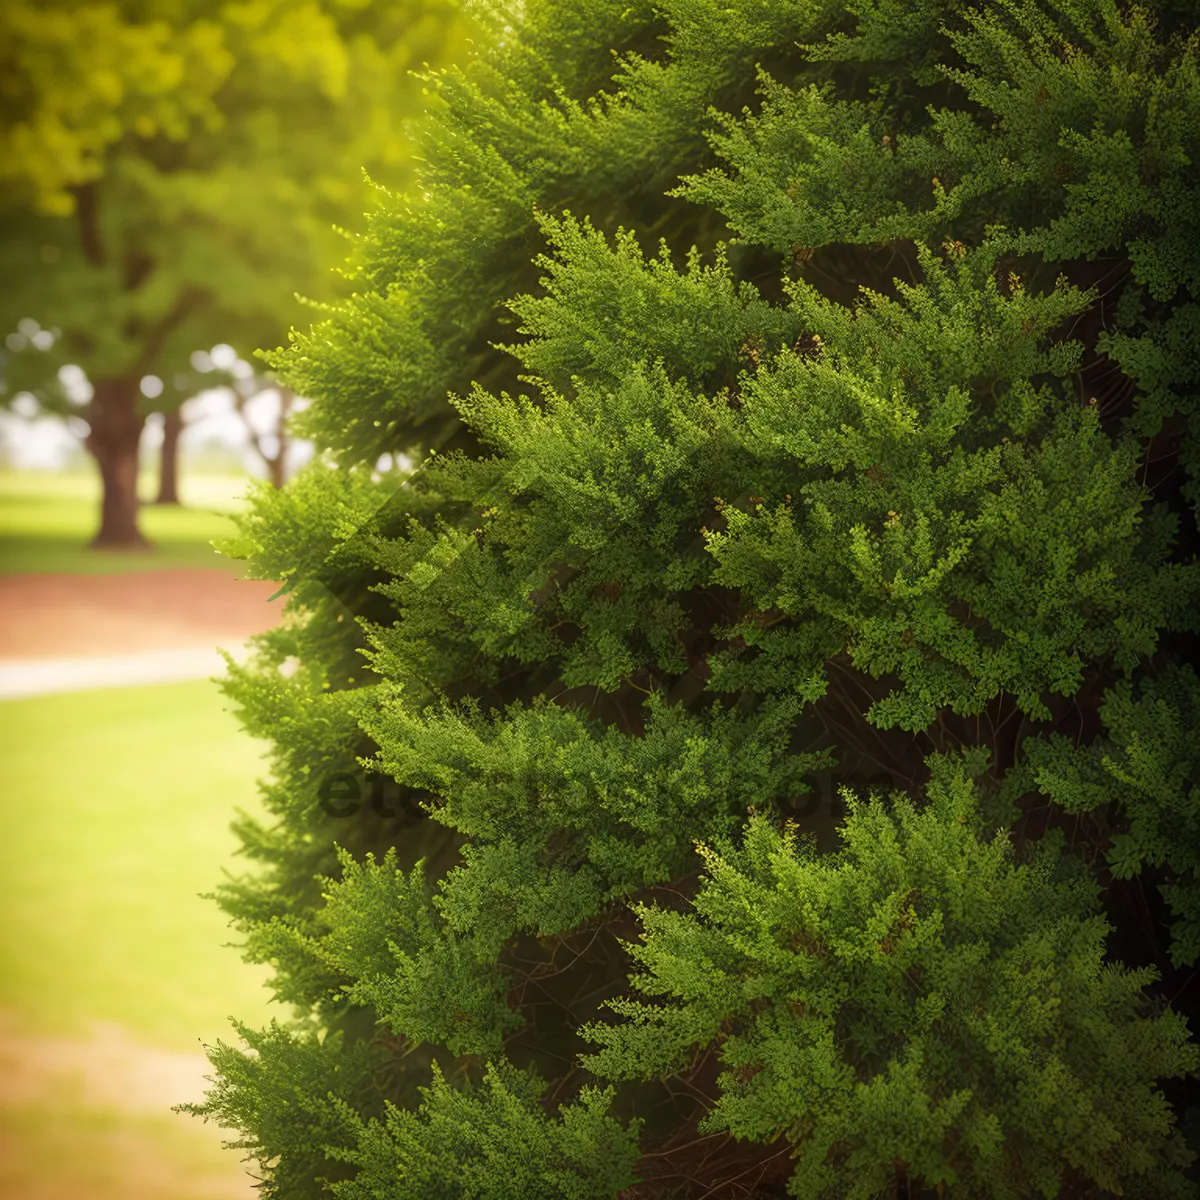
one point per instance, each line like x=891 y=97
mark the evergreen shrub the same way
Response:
x=753 y=406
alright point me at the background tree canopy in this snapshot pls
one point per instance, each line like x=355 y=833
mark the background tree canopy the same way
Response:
x=805 y=404
x=174 y=173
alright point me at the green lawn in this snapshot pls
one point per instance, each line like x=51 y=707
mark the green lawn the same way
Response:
x=117 y=815
x=47 y=519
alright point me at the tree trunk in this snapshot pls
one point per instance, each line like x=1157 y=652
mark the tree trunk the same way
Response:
x=276 y=463
x=275 y=471
x=116 y=429
x=277 y=466
x=168 y=472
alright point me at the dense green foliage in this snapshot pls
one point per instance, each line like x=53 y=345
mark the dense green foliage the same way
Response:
x=803 y=401
x=916 y=996
x=1150 y=767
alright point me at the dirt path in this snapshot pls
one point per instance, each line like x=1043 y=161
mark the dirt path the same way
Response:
x=89 y=1119
x=66 y=616
x=106 y=1070
x=21 y=677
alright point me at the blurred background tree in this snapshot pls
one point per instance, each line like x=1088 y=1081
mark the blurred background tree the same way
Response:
x=174 y=174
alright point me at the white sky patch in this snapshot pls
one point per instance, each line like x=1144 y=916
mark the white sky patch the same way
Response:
x=75 y=384
x=223 y=356
x=41 y=444
x=30 y=440
x=25 y=405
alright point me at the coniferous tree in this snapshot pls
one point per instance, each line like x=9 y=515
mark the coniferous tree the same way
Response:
x=790 y=617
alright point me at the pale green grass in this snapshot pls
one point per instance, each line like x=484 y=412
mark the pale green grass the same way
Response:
x=116 y=814
x=47 y=519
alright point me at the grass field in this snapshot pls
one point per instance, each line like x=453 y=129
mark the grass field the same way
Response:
x=47 y=519
x=116 y=815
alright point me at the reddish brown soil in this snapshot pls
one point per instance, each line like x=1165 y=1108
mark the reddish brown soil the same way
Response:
x=84 y=615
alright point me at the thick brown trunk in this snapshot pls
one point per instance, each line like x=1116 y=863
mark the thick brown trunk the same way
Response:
x=168 y=472
x=115 y=430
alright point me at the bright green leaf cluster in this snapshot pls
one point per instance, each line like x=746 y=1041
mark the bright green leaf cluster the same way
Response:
x=918 y=996
x=752 y=360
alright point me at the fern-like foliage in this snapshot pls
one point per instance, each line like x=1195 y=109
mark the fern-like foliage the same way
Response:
x=918 y=996
x=753 y=402
x=494 y=1145
x=1149 y=765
